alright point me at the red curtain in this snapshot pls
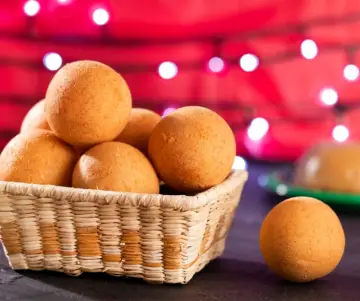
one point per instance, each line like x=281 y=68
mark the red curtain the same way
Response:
x=284 y=89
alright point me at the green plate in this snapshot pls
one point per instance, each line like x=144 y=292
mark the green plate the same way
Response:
x=280 y=184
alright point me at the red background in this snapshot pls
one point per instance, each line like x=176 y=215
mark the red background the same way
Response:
x=141 y=34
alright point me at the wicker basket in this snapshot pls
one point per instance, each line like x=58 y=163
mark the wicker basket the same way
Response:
x=159 y=238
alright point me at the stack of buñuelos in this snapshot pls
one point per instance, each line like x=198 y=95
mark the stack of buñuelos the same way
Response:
x=86 y=134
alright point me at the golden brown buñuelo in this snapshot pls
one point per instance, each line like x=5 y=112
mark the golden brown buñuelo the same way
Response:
x=330 y=166
x=302 y=239
x=87 y=103
x=35 y=118
x=37 y=157
x=115 y=166
x=192 y=149
x=139 y=128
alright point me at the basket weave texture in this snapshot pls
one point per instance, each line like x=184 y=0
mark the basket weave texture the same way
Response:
x=159 y=238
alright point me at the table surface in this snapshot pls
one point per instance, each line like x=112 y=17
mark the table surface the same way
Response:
x=240 y=274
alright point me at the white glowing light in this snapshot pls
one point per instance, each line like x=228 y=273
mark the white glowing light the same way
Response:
x=309 y=49
x=329 y=96
x=52 y=61
x=167 y=70
x=31 y=8
x=258 y=129
x=167 y=111
x=340 y=133
x=101 y=16
x=281 y=189
x=216 y=64
x=249 y=62
x=239 y=163
x=351 y=72
x=63 y=1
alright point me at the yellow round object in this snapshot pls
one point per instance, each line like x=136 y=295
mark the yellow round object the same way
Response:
x=192 y=149
x=35 y=118
x=115 y=166
x=87 y=103
x=330 y=167
x=302 y=239
x=37 y=157
x=139 y=128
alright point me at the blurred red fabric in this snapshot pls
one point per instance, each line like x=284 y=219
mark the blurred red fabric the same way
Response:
x=283 y=90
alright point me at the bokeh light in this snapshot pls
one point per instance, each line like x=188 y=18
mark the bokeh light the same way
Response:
x=101 y=16
x=309 y=49
x=239 y=163
x=351 y=72
x=167 y=70
x=167 y=111
x=31 y=8
x=52 y=61
x=258 y=129
x=329 y=96
x=281 y=189
x=249 y=62
x=263 y=180
x=340 y=133
x=216 y=64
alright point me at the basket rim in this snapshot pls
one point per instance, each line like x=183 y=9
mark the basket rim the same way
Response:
x=179 y=202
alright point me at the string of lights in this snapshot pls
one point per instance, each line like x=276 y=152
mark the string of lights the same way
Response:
x=101 y=17
x=257 y=127
x=248 y=62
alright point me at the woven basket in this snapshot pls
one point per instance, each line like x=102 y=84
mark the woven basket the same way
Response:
x=160 y=238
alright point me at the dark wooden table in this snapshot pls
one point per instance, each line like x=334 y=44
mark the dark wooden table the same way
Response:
x=240 y=274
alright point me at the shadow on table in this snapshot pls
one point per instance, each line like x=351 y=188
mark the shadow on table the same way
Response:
x=223 y=279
